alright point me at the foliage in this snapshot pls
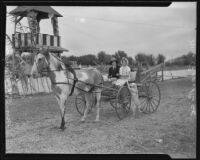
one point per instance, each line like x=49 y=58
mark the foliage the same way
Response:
x=131 y=61
x=17 y=70
x=145 y=59
x=160 y=58
x=119 y=55
x=103 y=58
x=88 y=59
x=141 y=58
x=151 y=60
x=72 y=58
x=188 y=59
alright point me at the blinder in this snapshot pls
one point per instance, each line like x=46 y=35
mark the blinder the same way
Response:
x=42 y=70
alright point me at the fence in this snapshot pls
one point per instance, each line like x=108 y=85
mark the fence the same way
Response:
x=173 y=74
x=28 y=86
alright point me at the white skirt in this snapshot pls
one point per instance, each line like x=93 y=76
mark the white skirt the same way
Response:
x=120 y=82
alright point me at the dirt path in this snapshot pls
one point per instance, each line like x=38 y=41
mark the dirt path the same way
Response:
x=171 y=130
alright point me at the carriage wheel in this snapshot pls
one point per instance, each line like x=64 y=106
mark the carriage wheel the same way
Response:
x=122 y=103
x=81 y=104
x=149 y=94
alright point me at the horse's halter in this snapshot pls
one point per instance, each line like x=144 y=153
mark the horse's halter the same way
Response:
x=47 y=69
x=44 y=69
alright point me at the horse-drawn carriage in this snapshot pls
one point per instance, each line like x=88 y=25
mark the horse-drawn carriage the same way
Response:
x=120 y=97
x=64 y=83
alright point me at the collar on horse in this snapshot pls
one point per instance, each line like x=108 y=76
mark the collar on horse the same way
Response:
x=68 y=67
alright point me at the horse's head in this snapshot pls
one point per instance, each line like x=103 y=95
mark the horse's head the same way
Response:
x=41 y=64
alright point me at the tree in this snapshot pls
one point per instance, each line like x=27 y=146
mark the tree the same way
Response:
x=88 y=59
x=131 y=61
x=72 y=58
x=189 y=58
x=103 y=58
x=119 y=55
x=160 y=58
x=151 y=60
x=141 y=58
x=108 y=59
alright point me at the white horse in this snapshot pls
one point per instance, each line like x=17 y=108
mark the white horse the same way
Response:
x=63 y=83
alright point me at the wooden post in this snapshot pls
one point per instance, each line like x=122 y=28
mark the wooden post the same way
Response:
x=137 y=78
x=43 y=85
x=15 y=24
x=156 y=75
x=48 y=84
x=13 y=55
x=38 y=86
x=162 y=72
x=29 y=82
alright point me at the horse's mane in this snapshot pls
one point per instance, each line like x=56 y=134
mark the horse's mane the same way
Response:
x=59 y=65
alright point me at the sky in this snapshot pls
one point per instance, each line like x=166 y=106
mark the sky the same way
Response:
x=151 y=30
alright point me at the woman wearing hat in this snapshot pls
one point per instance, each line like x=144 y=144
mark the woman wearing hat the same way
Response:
x=124 y=72
x=113 y=73
x=124 y=69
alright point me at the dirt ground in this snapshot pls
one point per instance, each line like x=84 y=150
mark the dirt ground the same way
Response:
x=170 y=130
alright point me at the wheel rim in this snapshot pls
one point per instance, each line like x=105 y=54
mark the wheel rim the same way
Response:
x=81 y=104
x=149 y=97
x=123 y=102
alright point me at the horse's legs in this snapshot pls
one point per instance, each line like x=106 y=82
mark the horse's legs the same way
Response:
x=58 y=99
x=63 y=99
x=98 y=98
x=88 y=100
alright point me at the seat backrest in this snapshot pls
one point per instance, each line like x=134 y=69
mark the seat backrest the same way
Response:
x=132 y=76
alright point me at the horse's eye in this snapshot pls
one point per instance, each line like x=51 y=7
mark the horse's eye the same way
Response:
x=40 y=59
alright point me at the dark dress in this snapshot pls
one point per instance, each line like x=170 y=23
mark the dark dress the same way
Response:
x=113 y=72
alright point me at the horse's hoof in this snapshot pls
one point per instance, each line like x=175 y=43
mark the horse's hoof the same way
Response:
x=96 y=120
x=62 y=128
x=140 y=110
x=82 y=120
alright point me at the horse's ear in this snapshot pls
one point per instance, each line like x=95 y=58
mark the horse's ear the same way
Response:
x=45 y=52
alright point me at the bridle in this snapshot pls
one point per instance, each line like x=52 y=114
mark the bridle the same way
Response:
x=47 y=69
x=40 y=71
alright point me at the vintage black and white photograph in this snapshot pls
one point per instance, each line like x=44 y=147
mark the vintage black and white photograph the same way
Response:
x=101 y=80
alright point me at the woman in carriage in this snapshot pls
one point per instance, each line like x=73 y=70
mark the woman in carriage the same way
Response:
x=124 y=74
x=113 y=73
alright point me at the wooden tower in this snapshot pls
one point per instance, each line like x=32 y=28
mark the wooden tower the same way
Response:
x=33 y=39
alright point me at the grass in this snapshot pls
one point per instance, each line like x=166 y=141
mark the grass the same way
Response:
x=35 y=121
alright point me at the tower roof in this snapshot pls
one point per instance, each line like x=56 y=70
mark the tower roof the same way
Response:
x=42 y=10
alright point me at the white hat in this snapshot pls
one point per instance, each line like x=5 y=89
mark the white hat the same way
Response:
x=124 y=59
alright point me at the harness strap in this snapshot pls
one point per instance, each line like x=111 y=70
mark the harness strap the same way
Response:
x=72 y=90
x=75 y=79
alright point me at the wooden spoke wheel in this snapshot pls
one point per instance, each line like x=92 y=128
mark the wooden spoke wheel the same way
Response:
x=122 y=104
x=149 y=94
x=80 y=103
